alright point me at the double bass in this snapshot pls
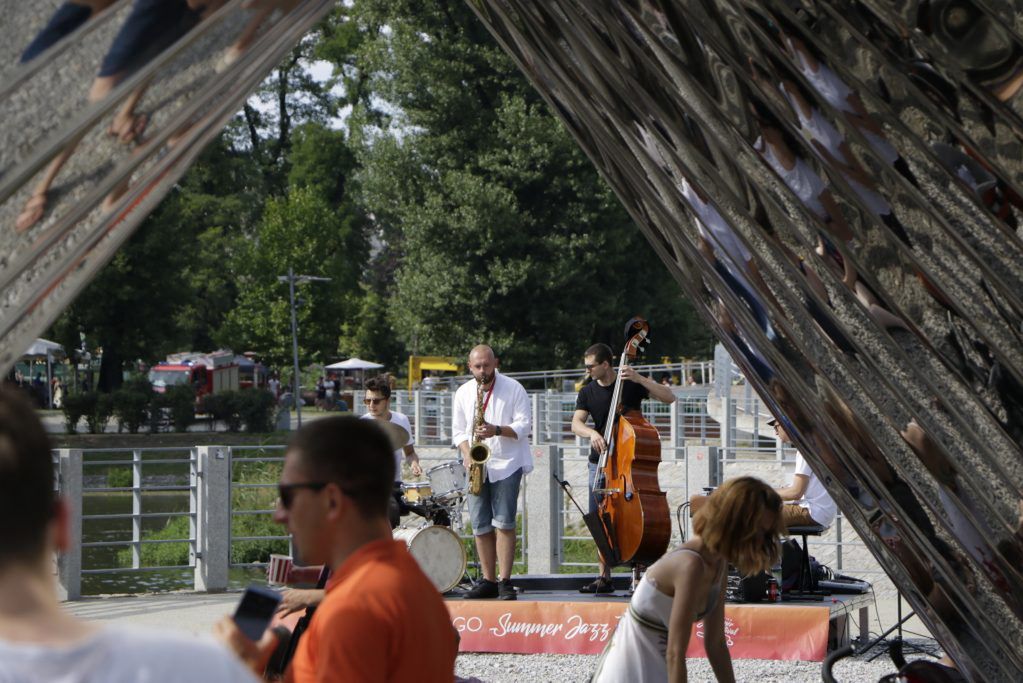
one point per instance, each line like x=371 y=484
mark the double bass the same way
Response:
x=632 y=514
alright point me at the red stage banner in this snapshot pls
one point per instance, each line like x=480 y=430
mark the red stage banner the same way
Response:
x=531 y=627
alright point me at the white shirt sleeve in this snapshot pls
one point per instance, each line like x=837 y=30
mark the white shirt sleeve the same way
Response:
x=802 y=467
x=459 y=418
x=522 y=415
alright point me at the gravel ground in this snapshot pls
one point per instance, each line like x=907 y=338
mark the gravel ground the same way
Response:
x=495 y=668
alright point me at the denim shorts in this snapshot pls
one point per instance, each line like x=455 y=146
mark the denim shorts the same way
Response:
x=496 y=505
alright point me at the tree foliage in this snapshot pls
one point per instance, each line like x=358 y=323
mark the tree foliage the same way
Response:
x=501 y=228
x=426 y=178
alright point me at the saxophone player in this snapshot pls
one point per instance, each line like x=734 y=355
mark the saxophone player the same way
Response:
x=493 y=410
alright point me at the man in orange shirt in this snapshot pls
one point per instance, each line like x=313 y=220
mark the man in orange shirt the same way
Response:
x=382 y=619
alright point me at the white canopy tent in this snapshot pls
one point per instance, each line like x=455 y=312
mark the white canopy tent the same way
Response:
x=45 y=349
x=357 y=366
x=354 y=364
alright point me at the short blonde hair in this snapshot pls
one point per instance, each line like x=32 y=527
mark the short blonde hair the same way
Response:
x=730 y=524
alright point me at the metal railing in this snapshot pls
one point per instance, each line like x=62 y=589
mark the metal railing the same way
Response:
x=231 y=493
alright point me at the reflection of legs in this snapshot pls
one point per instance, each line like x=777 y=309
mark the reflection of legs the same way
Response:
x=127 y=125
x=68 y=17
x=35 y=208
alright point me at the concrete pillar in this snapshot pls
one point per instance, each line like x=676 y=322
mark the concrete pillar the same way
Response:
x=676 y=435
x=213 y=518
x=702 y=469
x=136 y=508
x=69 y=485
x=534 y=400
x=544 y=502
x=417 y=417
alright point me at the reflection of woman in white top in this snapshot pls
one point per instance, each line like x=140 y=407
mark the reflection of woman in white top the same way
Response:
x=739 y=524
x=833 y=149
x=840 y=96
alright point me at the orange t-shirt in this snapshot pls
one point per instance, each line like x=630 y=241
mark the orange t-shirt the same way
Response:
x=381 y=620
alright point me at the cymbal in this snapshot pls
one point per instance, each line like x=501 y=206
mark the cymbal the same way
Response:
x=395 y=433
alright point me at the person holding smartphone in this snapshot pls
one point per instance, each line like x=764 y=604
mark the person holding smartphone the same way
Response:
x=381 y=618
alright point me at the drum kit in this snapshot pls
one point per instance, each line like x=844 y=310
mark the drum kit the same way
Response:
x=432 y=538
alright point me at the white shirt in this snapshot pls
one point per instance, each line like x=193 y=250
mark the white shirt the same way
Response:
x=816 y=498
x=801 y=179
x=820 y=129
x=122 y=655
x=508 y=407
x=401 y=420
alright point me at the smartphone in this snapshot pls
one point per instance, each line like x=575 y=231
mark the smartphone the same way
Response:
x=256 y=610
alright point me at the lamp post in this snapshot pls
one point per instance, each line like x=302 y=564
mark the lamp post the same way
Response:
x=291 y=279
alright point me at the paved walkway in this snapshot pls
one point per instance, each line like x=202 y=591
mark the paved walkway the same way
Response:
x=191 y=612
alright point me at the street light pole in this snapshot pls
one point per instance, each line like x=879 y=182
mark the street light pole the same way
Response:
x=291 y=279
x=295 y=391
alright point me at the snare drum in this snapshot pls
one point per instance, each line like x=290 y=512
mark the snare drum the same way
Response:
x=447 y=480
x=439 y=553
x=416 y=492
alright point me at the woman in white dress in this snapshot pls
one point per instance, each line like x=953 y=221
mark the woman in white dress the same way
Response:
x=740 y=524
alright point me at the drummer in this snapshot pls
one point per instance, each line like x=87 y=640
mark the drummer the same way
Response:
x=378 y=406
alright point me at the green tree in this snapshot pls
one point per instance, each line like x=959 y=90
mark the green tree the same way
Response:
x=303 y=232
x=495 y=226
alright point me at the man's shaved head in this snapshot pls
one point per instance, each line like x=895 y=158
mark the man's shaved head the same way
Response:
x=482 y=363
x=483 y=352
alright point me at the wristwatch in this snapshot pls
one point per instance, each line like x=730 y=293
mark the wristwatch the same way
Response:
x=497 y=430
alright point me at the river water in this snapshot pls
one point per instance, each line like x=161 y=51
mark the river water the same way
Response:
x=169 y=505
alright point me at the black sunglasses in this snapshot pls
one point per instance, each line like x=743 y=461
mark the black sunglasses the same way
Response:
x=286 y=492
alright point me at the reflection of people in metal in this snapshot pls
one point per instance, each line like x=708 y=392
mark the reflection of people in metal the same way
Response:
x=741 y=525
x=151 y=26
x=732 y=260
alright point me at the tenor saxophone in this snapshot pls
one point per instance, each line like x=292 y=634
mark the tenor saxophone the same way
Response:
x=479 y=452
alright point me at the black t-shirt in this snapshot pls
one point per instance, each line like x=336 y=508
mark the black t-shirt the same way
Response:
x=596 y=400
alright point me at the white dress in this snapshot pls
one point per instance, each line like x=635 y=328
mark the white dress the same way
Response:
x=639 y=646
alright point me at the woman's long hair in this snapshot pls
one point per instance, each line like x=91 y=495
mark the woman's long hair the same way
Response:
x=730 y=524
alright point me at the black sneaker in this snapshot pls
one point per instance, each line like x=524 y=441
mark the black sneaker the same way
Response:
x=483 y=590
x=506 y=591
x=601 y=585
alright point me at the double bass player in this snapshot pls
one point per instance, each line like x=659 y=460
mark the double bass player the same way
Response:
x=594 y=401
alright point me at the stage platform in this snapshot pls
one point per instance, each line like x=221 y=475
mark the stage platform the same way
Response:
x=551 y=616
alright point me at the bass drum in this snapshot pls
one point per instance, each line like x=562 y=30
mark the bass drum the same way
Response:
x=439 y=552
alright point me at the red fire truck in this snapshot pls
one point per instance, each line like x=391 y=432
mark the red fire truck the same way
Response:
x=206 y=373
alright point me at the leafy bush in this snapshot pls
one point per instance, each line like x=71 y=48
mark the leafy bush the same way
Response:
x=180 y=400
x=119 y=477
x=131 y=404
x=159 y=412
x=256 y=409
x=225 y=408
x=97 y=409
x=74 y=408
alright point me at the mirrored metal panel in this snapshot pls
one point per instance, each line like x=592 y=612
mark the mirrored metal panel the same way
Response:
x=106 y=103
x=837 y=184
